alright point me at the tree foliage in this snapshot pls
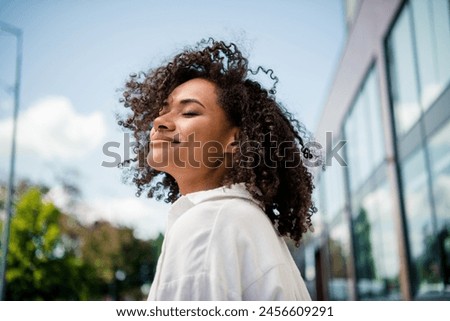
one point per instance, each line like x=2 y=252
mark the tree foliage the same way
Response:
x=52 y=256
x=40 y=266
x=123 y=263
x=365 y=263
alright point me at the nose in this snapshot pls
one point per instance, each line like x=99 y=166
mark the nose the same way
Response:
x=163 y=123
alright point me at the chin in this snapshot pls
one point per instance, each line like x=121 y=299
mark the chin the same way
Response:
x=157 y=161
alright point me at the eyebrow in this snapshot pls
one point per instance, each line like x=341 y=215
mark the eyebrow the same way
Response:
x=191 y=100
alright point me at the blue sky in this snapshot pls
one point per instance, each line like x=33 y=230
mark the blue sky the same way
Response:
x=77 y=54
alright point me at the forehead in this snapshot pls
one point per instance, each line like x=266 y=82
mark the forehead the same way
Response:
x=201 y=89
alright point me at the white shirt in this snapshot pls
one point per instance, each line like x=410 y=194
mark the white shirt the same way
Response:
x=220 y=245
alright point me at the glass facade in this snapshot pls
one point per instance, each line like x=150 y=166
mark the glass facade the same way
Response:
x=387 y=213
x=332 y=196
x=364 y=134
x=419 y=221
x=432 y=43
x=404 y=92
x=339 y=253
x=372 y=224
x=334 y=190
x=418 y=53
x=440 y=171
x=376 y=266
x=376 y=247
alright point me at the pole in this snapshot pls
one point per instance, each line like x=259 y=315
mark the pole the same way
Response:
x=10 y=194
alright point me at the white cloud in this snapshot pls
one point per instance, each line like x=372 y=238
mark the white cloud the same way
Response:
x=52 y=128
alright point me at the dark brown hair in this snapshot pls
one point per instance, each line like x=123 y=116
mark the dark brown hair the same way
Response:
x=271 y=153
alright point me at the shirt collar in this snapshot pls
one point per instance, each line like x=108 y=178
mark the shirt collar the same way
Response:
x=235 y=190
x=188 y=201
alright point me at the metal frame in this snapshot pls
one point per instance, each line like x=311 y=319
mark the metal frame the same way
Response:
x=10 y=193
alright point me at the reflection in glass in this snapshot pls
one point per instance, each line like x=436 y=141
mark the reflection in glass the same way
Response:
x=363 y=247
x=424 y=255
x=418 y=52
x=432 y=32
x=441 y=27
x=376 y=248
x=440 y=167
x=363 y=132
x=334 y=189
x=374 y=117
x=352 y=150
x=339 y=250
x=403 y=81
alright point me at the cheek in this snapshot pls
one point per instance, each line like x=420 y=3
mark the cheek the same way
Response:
x=212 y=153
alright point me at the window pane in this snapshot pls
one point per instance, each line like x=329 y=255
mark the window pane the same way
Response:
x=432 y=34
x=339 y=249
x=322 y=194
x=425 y=49
x=440 y=164
x=335 y=189
x=351 y=150
x=424 y=256
x=364 y=135
x=374 y=118
x=363 y=152
x=403 y=79
x=441 y=19
x=376 y=248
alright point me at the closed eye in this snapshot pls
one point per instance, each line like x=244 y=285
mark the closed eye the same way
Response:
x=190 y=114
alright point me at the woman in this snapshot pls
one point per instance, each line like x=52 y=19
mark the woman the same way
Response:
x=229 y=158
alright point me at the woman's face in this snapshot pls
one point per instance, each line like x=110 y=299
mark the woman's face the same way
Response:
x=192 y=133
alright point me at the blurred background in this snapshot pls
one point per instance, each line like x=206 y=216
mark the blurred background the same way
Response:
x=373 y=74
x=383 y=227
x=78 y=232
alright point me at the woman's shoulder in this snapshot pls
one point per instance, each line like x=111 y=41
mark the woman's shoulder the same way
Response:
x=243 y=229
x=233 y=210
x=230 y=215
x=241 y=209
x=243 y=217
x=224 y=210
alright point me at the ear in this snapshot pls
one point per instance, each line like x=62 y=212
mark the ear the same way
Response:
x=233 y=141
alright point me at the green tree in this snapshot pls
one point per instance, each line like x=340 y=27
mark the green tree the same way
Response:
x=365 y=264
x=338 y=261
x=52 y=256
x=123 y=262
x=40 y=265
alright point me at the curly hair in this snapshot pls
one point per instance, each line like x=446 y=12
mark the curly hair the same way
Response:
x=271 y=153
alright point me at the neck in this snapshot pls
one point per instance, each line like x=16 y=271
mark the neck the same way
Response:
x=196 y=181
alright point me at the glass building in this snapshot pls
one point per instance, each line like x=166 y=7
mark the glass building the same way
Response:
x=383 y=226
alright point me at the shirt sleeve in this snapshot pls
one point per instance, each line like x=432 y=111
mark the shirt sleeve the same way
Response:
x=277 y=284
x=252 y=258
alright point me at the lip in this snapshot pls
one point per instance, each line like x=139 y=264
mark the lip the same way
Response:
x=160 y=138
